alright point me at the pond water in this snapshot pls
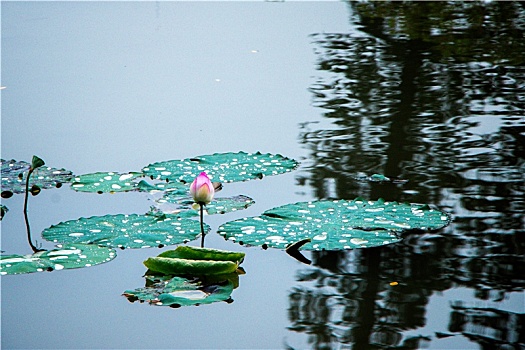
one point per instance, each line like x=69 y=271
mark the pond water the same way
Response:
x=427 y=92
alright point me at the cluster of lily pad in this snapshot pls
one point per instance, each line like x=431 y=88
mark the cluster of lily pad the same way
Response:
x=195 y=276
x=318 y=225
x=67 y=256
x=171 y=220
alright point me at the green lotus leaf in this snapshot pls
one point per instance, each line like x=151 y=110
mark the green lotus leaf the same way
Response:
x=178 y=291
x=68 y=256
x=197 y=253
x=111 y=182
x=171 y=187
x=14 y=174
x=222 y=167
x=172 y=202
x=126 y=231
x=333 y=225
x=3 y=211
x=106 y=182
x=178 y=266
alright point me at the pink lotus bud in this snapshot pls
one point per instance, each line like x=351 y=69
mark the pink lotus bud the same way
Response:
x=201 y=189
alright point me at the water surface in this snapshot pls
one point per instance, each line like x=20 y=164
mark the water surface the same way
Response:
x=430 y=93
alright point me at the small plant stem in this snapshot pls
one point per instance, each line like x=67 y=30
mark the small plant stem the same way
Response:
x=202 y=224
x=35 y=249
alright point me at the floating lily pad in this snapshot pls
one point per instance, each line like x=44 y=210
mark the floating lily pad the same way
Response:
x=14 y=174
x=68 y=256
x=333 y=225
x=171 y=187
x=196 y=253
x=126 y=231
x=178 y=291
x=223 y=167
x=178 y=266
x=106 y=182
x=185 y=206
x=194 y=261
x=3 y=211
x=111 y=182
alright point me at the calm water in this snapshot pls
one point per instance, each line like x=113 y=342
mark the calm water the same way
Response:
x=431 y=93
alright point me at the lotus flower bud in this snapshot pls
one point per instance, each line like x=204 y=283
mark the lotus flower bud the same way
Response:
x=201 y=189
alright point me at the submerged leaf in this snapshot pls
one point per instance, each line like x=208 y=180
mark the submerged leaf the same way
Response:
x=14 y=174
x=179 y=291
x=173 y=202
x=223 y=167
x=69 y=256
x=126 y=231
x=333 y=225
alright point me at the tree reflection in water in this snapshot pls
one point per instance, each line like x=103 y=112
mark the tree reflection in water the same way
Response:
x=433 y=93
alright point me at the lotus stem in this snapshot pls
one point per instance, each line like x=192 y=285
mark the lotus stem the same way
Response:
x=35 y=249
x=202 y=224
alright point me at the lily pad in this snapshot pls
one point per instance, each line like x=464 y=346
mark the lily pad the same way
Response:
x=111 y=182
x=106 y=182
x=178 y=266
x=223 y=167
x=178 y=291
x=163 y=186
x=196 y=253
x=333 y=225
x=126 y=231
x=173 y=203
x=69 y=256
x=194 y=261
x=14 y=174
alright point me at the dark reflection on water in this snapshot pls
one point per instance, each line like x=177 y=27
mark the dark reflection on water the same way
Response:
x=433 y=93
x=353 y=298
